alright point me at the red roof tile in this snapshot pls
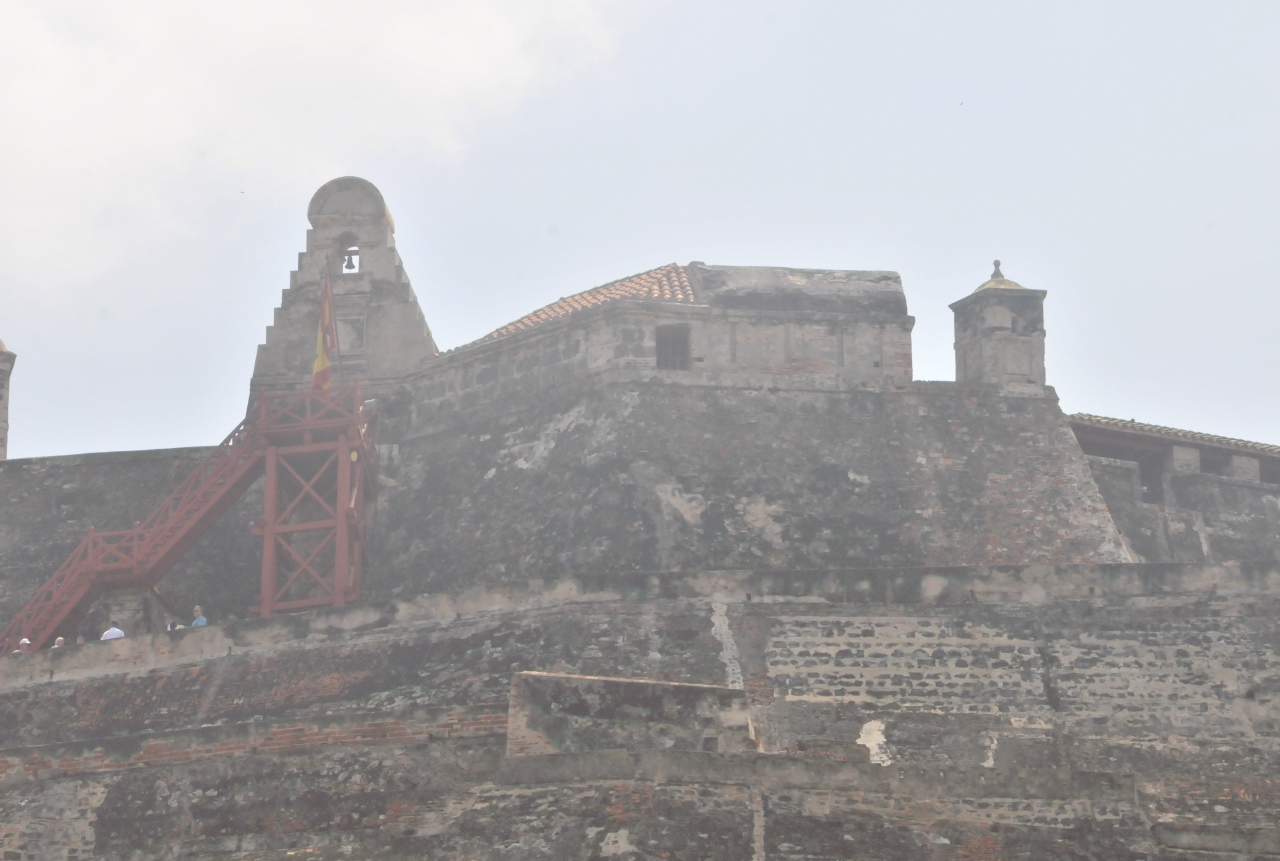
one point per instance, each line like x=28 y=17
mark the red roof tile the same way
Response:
x=666 y=283
x=1087 y=420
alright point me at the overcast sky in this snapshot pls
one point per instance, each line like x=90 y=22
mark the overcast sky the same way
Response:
x=156 y=161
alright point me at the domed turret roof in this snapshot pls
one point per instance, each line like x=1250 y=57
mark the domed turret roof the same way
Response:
x=3 y=349
x=997 y=279
x=349 y=197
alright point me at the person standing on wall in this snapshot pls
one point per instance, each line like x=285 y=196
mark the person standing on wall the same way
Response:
x=199 y=621
x=114 y=632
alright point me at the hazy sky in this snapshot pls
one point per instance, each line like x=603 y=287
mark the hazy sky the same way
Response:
x=156 y=160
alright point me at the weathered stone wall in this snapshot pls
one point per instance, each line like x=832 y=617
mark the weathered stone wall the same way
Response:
x=931 y=727
x=730 y=348
x=658 y=476
x=647 y=475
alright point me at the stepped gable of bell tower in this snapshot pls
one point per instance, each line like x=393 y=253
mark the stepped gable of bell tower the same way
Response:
x=382 y=332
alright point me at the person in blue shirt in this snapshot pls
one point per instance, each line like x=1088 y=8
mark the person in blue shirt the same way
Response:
x=199 y=620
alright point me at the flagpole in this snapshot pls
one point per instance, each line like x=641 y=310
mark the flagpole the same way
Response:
x=337 y=346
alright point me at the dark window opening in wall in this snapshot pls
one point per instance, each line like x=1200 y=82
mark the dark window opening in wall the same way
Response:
x=351 y=260
x=1215 y=462
x=674 y=353
x=1151 y=474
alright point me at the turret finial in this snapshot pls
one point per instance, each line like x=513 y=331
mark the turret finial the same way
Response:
x=997 y=273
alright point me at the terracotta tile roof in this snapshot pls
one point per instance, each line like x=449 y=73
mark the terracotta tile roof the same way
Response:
x=1087 y=420
x=667 y=283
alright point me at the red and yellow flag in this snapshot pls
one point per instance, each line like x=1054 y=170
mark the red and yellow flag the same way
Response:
x=326 y=338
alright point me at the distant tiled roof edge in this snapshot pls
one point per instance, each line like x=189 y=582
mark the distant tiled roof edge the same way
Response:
x=1174 y=433
x=668 y=283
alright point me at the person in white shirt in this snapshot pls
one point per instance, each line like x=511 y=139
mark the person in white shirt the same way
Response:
x=113 y=633
x=59 y=643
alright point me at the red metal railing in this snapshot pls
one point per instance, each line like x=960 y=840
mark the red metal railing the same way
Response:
x=140 y=557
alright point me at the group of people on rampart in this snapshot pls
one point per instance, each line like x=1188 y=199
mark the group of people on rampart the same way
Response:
x=115 y=632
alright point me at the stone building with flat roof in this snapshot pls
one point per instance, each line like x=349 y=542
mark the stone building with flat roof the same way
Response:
x=687 y=565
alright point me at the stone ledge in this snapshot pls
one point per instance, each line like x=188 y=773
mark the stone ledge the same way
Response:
x=1262 y=841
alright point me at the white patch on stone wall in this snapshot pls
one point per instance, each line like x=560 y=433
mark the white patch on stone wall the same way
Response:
x=688 y=505
x=759 y=516
x=630 y=401
x=757 y=824
x=533 y=455
x=992 y=744
x=728 y=648
x=872 y=737
x=931 y=586
x=617 y=843
x=1034 y=594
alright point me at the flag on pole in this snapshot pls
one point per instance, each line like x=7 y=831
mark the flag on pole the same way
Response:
x=326 y=337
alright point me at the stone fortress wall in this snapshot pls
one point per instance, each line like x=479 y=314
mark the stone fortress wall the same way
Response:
x=770 y=598
x=1025 y=720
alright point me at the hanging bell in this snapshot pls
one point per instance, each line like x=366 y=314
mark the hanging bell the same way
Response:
x=350 y=264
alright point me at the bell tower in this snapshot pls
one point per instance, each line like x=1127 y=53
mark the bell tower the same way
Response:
x=6 y=370
x=382 y=333
x=1000 y=336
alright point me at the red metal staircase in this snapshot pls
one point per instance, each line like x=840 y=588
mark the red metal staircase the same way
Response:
x=326 y=440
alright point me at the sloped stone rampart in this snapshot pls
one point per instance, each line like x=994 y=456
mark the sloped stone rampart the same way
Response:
x=663 y=477
x=353 y=734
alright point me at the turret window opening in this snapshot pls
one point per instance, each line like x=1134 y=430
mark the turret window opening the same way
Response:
x=351 y=260
x=673 y=350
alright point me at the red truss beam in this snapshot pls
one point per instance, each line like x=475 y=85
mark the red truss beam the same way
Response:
x=293 y=429
x=312 y=527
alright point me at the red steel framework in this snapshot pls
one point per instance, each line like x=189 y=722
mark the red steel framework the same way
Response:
x=316 y=450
